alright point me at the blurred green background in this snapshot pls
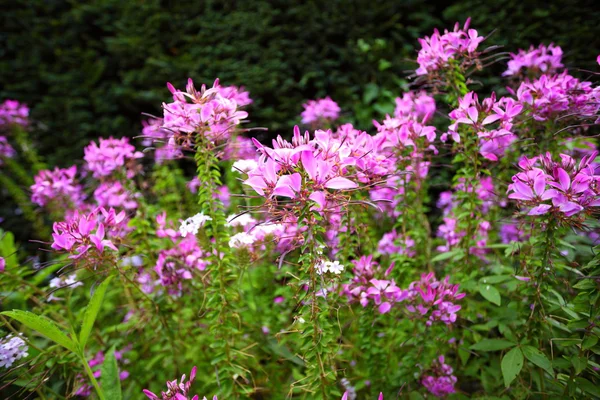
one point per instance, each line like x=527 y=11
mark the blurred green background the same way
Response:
x=89 y=69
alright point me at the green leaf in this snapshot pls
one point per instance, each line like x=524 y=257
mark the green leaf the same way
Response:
x=111 y=383
x=91 y=312
x=538 y=358
x=511 y=365
x=492 y=345
x=589 y=342
x=579 y=363
x=490 y=293
x=43 y=326
x=588 y=386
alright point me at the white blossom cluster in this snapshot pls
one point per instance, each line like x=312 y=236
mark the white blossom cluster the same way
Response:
x=193 y=224
x=329 y=266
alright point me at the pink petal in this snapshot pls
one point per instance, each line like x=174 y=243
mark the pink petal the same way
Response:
x=340 y=183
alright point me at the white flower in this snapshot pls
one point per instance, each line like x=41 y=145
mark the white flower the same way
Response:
x=321 y=267
x=242 y=239
x=244 y=165
x=301 y=320
x=64 y=281
x=329 y=266
x=193 y=224
x=242 y=220
x=335 y=267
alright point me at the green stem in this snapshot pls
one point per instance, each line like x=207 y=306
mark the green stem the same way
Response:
x=90 y=374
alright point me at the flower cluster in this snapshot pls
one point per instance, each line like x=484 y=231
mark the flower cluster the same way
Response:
x=428 y=296
x=543 y=59
x=113 y=194
x=563 y=188
x=560 y=95
x=439 y=380
x=364 y=287
x=2 y=264
x=479 y=117
x=436 y=51
x=393 y=243
x=110 y=155
x=329 y=266
x=308 y=169
x=177 y=390
x=193 y=224
x=13 y=112
x=319 y=111
x=416 y=105
x=6 y=150
x=58 y=187
x=177 y=263
x=207 y=111
x=84 y=232
x=155 y=135
x=12 y=348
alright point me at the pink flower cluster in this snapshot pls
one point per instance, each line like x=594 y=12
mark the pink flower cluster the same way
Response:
x=206 y=111
x=155 y=135
x=450 y=231
x=110 y=155
x=416 y=105
x=393 y=243
x=82 y=233
x=563 y=188
x=439 y=381
x=113 y=194
x=428 y=296
x=308 y=169
x=480 y=116
x=320 y=110
x=6 y=150
x=436 y=51
x=58 y=187
x=85 y=390
x=543 y=59
x=177 y=390
x=551 y=96
x=175 y=264
x=13 y=112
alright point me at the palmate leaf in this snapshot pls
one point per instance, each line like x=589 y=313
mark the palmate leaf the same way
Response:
x=91 y=312
x=44 y=327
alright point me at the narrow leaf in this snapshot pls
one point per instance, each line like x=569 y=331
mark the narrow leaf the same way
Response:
x=43 y=326
x=492 y=345
x=538 y=358
x=111 y=383
x=91 y=312
x=511 y=365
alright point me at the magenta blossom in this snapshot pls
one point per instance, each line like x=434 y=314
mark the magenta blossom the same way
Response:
x=6 y=150
x=543 y=59
x=13 y=112
x=177 y=390
x=110 y=155
x=59 y=187
x=321 y=110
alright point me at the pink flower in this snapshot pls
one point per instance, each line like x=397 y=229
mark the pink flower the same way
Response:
x=110 y=155
x=436 y=51
x=543 y=59
x=320 y=110
x=59 y=187
x=2 y=264
x=6 y=150
x=13 y=112
x=177 y=390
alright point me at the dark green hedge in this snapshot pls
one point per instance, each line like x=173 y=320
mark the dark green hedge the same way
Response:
x=90 y=68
